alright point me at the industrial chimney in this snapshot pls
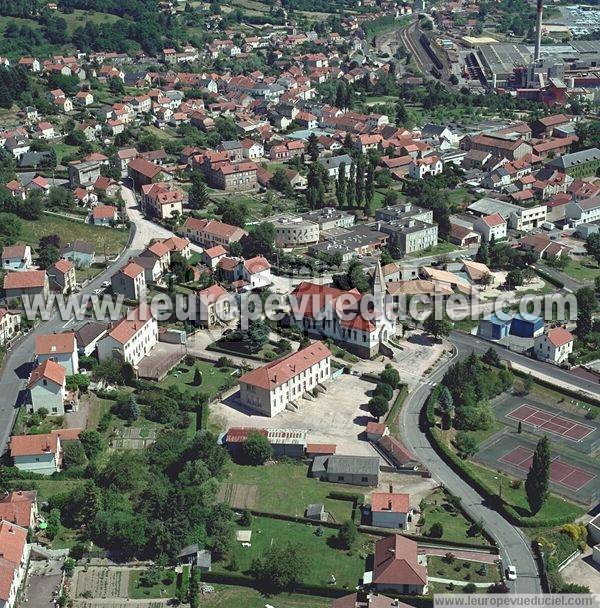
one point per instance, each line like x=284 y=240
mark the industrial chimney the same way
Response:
x=538 y=30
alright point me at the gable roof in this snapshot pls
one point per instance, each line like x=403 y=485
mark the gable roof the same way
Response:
x=25 y=280
x=278 y=372
x=55 y=344
x=133 y=322
x=48 y=370
x=391 y=502
x=559 y=336
x=396 y=562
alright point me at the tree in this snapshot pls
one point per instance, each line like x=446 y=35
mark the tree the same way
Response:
x=234 y=214
x=384 y=390
x=260 y=240
x=115 y=86
x=538 y=477
x=527 y=384
x=466 y=444
x=592 y=246
x=163 y=410
x=520 y=427
x=436 y=530
x=131 y=409
x=378 y=406
x=47 y=256
x=446 y=404
x=347 y=534
x=256 y=449
x=390 y=376
x=312 y=147
x=92 y=443
x=198 y=195
x=340 y=186
x=483 y=254
x=514 y=278
x=586 y=306
x=73 y=455
x=280 y=568
x=360 y=181
x=281 y=182
x=437 y=327
x=89 y=504
x=369 y=184
x=491 y=357
x=197 y=377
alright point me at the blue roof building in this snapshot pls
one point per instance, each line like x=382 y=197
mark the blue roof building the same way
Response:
x=526 y=326
x=494 y=328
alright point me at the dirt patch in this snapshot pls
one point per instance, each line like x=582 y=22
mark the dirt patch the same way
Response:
x=133 y=438
x=101 y=583
x=238 y=495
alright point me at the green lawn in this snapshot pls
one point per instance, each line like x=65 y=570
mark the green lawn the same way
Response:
x=214 y=379
x=437 y=509
x=164 y=589
x=582 y=268
x=69 y=230
x=63 y=150
x=226 y=596
x=45 y=487
x=555 y=506
x=79 y=18
x=275 y=481
x=440 y=249
x=461 y=570
x=322 y=557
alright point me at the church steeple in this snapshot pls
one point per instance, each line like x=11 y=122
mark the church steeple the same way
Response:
x=379 y=289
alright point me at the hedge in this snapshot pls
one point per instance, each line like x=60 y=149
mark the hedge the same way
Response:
x=392 y=415
x=459 y=466
x=549 y=278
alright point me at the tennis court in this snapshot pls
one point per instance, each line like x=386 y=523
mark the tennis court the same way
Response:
x=562 y=473
x=552 y=423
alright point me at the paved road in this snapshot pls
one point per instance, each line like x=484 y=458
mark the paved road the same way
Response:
x=514 y=547
x=466 y=343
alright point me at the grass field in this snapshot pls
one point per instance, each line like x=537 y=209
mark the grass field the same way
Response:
x=461 y=570
x=437 y=509
x=323 y=558
x=440 y=249
x=45 y=487
x=582 y=269
x=274 y=495
x=79 y=18
x=226 y=596
x=114 y=240
x=164 y=589
x=214 y=379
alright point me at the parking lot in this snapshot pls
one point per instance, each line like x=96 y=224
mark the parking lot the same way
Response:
x=338 y=416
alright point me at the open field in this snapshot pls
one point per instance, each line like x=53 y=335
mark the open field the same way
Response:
x=273 y=483
x=70 y=230
x=79 y=18
x=322 y=556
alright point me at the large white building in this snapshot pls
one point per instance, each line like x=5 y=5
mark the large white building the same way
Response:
x=583 y=212
x=279 y=384
x=132 y=338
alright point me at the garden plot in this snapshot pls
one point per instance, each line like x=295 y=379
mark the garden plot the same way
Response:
x=238 y=495
x=100 y=582
x=133 y=438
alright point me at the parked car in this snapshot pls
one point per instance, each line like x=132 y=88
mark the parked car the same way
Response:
x=511 y=573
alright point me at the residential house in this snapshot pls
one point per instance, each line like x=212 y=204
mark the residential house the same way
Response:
x=368 y=599
x=353 y=470
x=130 y=281
x=209 y=233
x=162 y=200
x=47 y=388
x=214 y=306
x=143 y=172
x=256 y=272
x=10 y=323
x=19 y=507
x=16 y=257
x=398 y=566
x=390 y=510
x=161 y=252
x=29 y=283
x=13 y=563
x=80 y=253
x=60 y=348
x=583 y=212
x=280 y=384
x=132 y=338
x=88 y=335
x=83 y=173
x=554 y=346
x=62 y=276
x=212 y=255
x=179 y=245
x=39 y=453
x=333 y=164
x=463 y=236
x=104 y=215
x=420 y=167
x=491 y=226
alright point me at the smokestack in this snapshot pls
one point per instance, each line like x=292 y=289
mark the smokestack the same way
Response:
x=538 y=30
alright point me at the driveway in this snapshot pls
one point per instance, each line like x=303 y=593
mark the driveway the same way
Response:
x=583 y=570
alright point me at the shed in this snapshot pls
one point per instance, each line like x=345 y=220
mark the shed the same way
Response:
x=526 y=326
x=193 y=555
x=316 y=512
x=494 y=328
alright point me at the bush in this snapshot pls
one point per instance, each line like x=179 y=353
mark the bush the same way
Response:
x=224 y=362
x=390 y=376
x=257 y=449
x=163 y=410
x=436 y=530
x=378 y=406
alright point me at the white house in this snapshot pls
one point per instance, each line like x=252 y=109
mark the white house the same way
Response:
x=278 y=385
x=256 y=272
x=420 y=167
x=60 y=348
x=10 y=323
x=491 y=226
x=583 y=212
x=36 y=453
x=132 y=338
x=16 y=257
x=390 y=510
x=13 y=565
x=554 y=346
x=47 y=388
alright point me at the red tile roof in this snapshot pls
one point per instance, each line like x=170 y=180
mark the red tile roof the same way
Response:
x=144 y=167
x=52 y=344
x=396 y=562
x=30 y=445
x=279 y=372
x=25 y=280
x=48 y=370
x=559 y=336
x=16 y=508
x=101 y=212
x=130 y=325
x=391 y=502
x=63 y=265
x=131 y=270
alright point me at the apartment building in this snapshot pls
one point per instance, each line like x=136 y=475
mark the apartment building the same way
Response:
x=162 y=200
x=276 y=386
x=209 y=233
x=129 y=281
